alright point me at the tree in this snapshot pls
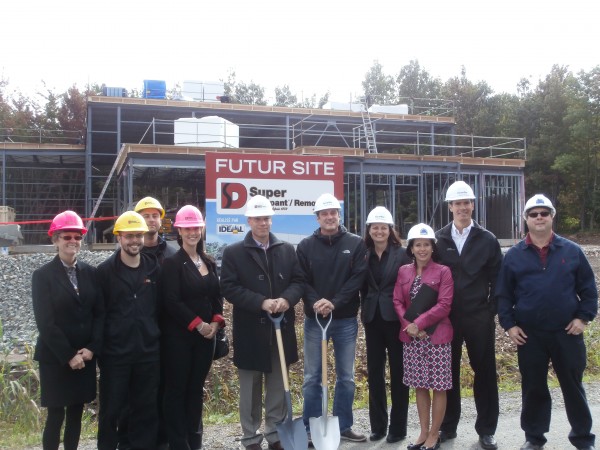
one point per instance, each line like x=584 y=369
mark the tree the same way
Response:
x=284 y=97
x=244 y=93
x=378 y=87
x=416 y=82
x=470 y=102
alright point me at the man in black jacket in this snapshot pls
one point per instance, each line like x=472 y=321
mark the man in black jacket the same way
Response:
x=153 y=213
x=474 y=256
x=260 y=276
x=335 y=266
x=129 y=364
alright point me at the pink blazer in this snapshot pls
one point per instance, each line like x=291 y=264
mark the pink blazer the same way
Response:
x=437 y=277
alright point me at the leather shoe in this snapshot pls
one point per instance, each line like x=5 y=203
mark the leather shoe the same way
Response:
x=435 y=447
x=253 y=447
x=488 y=442
x=415 y=446
x=376 y=436
x=350 y=435
x=275 y=446
x=531 y=446
x=393 y=438
x=447 y=435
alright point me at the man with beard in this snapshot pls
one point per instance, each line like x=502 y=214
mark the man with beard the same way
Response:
x=153 y=213
x=129 y=363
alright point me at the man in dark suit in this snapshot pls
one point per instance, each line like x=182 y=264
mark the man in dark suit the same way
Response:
x=474 y=256
x=261 y=276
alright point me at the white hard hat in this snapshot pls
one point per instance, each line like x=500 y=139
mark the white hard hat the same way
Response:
x=326 y=201
x=379 y=214
x=421 y=231
x=259 y=206
x=459 y=190
x=538 y=201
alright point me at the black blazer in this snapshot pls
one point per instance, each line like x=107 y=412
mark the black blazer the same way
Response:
x=373 y=294
x=66 y=321
x=186 y=296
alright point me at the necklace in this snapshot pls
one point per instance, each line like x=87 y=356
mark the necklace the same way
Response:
x=198 y=263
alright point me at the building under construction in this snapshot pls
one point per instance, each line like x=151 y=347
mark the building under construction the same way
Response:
x=134 y=147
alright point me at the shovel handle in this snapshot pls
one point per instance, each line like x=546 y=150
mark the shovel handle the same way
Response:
x=324 y=363
x=284 y=374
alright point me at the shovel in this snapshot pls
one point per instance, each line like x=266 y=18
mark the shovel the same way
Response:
x=324 y=431
x=292 y=433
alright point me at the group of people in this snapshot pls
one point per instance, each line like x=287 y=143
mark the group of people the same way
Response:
x=150 y=316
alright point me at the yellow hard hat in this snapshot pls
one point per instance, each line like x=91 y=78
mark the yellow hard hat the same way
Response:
x=130 y=221
x=149 y=203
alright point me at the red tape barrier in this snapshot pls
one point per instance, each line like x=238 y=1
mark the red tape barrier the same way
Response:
x=30 y=222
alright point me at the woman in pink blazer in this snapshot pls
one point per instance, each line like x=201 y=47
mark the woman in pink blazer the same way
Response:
x=427 y=336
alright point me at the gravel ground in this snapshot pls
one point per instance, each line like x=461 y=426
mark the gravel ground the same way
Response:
x=509 y=434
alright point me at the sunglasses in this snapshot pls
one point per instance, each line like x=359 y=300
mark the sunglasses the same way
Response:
x=533 y=215
x=68 y=238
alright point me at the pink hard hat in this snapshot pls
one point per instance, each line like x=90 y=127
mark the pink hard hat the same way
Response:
x=67 y=220
x=189 y=216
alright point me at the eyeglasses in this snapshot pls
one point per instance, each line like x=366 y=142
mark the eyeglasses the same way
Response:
x=69 y=237
x=533 y=215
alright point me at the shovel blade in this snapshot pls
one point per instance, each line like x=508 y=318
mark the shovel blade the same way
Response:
x=325 y=432
x=292 y=434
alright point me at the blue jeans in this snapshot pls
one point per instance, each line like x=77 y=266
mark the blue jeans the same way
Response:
x=342 y=333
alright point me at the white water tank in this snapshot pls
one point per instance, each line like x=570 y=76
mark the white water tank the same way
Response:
x=209 y=131
x=389 y=109
x=344 y=106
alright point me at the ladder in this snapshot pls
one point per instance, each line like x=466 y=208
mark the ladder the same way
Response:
x=368 y=127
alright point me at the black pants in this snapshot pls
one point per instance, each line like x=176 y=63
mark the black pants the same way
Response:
x=568 y=356
x=478 y=333
x=54 y=421
x=187 y=362
x=381 y=337
x=132 y=386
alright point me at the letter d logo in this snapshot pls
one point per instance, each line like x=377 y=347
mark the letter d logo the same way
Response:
x=233 y=195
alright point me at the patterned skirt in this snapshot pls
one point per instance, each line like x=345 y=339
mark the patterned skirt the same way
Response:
x=427 y=366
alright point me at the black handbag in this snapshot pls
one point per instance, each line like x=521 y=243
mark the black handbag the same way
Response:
x=425 y=299
x=221 y=345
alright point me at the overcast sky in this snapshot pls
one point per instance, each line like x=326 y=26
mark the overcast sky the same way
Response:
x=315 y=46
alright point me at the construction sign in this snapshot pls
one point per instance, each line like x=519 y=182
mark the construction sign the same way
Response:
x=291 y=182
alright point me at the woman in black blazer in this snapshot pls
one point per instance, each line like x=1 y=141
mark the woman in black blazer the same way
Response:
x=193 y=314
x=382 y=327
x=68 y=313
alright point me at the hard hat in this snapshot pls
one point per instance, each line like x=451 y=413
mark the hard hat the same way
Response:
x=421 y=231
x=130 y=221
x=538 y=201
x=189 y=217
x=379 y=214
x=259 y=206
x=459 y=190
x=67 y=220
x=326 y=201
x=149 y=203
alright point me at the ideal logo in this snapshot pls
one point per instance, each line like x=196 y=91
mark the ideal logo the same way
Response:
x=233 y=195
x=231 y=229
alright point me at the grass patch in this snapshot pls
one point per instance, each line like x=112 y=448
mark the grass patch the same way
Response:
x=22 y=419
